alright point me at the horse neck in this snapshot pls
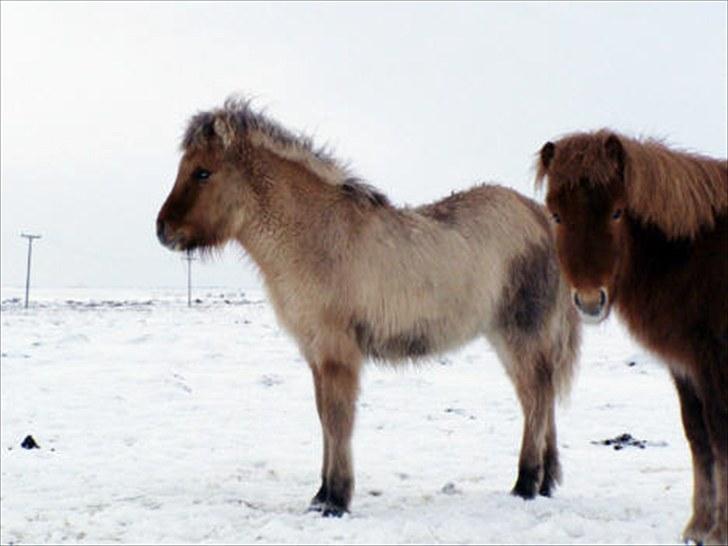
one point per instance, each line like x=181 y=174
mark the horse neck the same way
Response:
x=293 y=208
x=648 y=256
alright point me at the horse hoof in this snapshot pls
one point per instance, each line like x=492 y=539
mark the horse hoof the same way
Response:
x=695 y=532
x=691 y=538
x=548 y=485
x=546 y=489
x=526 y=493
x=527 y=483
x=718 y=535
x=526 y=489
x=331 y=511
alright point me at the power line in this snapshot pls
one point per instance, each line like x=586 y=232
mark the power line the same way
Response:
x=30 y=238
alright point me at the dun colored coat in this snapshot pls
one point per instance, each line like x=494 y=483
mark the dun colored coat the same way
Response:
x=645 y=228
x=352 y=277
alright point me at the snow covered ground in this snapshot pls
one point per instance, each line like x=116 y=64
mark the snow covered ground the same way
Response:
x=163 y=424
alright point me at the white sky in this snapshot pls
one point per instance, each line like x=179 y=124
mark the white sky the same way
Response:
x=422 y=98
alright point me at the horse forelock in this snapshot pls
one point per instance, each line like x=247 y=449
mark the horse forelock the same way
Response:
x=578 y=157
x=679 y=192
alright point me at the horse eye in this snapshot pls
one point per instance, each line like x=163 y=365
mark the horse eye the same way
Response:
x=556 y=218
x=617 y=214
x=201 y=175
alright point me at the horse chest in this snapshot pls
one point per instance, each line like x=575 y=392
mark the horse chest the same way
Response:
x=655 y=317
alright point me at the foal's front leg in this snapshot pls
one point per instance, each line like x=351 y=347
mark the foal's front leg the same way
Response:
x=337 y=386
x=319 y=500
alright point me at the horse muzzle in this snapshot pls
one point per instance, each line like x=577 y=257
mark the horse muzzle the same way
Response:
x=169 y=239
x=593 y=305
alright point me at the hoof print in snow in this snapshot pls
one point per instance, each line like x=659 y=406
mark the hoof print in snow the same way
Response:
x=29 y=443
x=627 y=440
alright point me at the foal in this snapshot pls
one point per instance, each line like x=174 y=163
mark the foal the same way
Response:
x=351 y=277
x=645 y=228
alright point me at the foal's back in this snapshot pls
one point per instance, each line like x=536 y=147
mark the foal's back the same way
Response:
x=439 y=274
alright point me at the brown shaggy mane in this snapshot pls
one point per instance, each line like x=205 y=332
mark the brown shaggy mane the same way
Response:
x=679 y=192
x=237 y=122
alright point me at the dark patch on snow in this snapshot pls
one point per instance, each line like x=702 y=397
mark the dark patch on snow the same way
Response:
x=270 y=380
x=627 y=440
x=450 y=489
x=29 y=443
x=460 y=411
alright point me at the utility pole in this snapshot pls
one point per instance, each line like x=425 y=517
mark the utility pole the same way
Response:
x=30 y=251
x=189 y=259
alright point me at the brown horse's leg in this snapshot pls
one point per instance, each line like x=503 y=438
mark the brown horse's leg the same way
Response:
x=718 y=534
x=551 y=465
x=532 y=378
x=691 y=409
x=338 y=389
x=319 y=500
x=715 y=409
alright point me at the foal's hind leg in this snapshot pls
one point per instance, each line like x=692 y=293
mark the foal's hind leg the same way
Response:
x=691 y=409
x=532 y=378
x=551 y=465
x=337 y=387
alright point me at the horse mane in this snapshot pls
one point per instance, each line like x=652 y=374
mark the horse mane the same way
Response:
x=237 y=124
x=678 y=191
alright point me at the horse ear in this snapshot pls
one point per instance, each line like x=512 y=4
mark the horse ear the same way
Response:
x=615 y=151
x=224 y=131
x=547 y=154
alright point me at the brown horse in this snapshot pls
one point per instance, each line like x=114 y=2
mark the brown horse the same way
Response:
x=645 y=228
x=352 y=277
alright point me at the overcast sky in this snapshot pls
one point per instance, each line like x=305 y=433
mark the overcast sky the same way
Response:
x=421 y=98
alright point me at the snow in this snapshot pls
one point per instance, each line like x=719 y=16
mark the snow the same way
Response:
x=160 y=423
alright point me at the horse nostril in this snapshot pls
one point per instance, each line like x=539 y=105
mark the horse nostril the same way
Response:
x=590 y=303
